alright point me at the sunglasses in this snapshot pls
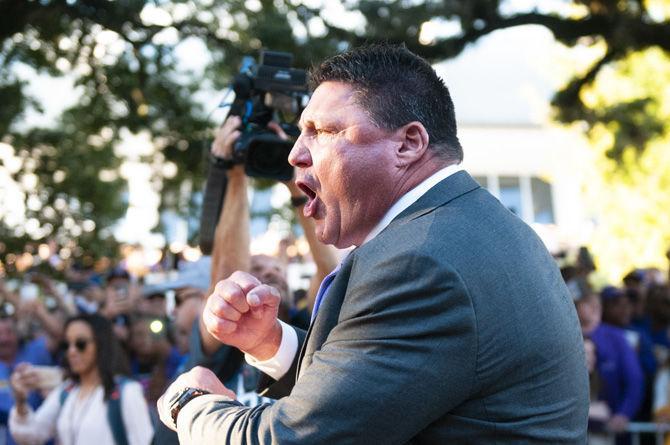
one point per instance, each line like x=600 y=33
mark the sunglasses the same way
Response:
x=80 y=344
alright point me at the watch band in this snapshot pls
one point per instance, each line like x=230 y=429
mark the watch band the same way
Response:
x=182 y=398
x=222 y=163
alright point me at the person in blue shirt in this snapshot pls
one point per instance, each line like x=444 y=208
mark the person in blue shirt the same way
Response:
x=618 y=308
x=12 y=352
x=619 y=371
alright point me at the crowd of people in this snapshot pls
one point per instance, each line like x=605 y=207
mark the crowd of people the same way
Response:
x=626 y=329
x=107 y=348
x=69 y=360
x=109 y=337
x=86 y=364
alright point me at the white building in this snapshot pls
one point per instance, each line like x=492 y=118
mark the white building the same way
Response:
x=501 y=88
x=537 y=172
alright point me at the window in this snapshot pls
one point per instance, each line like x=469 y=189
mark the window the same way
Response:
x=482 y=180
x=543 y=209
x=510 y=194
x=530 y=198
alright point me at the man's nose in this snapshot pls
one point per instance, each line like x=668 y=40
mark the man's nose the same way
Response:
x=299 y=155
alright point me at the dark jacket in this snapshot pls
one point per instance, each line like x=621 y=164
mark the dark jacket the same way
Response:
x=453 y=325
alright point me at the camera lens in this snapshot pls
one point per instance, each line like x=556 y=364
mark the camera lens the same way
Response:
x=267 y=157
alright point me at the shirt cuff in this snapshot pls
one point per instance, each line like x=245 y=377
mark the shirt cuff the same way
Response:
x=281 y=362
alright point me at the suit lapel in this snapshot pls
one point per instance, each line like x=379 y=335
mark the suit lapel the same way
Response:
x=447 y=190
x=327 y=317
x=443 y=192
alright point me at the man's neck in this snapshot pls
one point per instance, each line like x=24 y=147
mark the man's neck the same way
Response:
x=416 y=174
x=409 y=197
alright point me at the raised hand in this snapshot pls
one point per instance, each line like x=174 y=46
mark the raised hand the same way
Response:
x=226 y=136
x=242 y=313
x=23 y=380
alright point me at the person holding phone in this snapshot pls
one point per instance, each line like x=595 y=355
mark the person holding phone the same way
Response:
x=77 y=411
x=15 y=350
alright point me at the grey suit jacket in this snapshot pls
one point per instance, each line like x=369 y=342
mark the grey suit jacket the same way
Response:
x=453 y=325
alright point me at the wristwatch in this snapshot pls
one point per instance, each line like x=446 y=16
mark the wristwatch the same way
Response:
x=182 y=398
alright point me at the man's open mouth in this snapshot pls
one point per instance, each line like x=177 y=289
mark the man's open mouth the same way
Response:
x=311 y=194
x=310 y=207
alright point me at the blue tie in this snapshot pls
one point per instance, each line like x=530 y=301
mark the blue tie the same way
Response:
x=325 y=284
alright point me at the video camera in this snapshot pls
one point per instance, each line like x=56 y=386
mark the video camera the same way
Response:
x=271 y=89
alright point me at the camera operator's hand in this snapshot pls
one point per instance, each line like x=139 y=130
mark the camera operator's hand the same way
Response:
x=242 y=313
x=274 y=126
x=290 y=184
x=226 y=135
x=229 y=132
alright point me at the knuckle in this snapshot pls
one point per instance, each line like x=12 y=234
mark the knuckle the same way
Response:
x=237 y=275
x=232 y=314
x=218 y=309
x=209 y=319
x=231 y=297
x=221 y=285
x=218 y=326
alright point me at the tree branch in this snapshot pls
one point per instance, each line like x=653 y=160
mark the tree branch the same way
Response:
x=563 y=29
x=567 y=101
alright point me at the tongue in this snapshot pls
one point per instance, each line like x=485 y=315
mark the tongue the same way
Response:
x=310 y=208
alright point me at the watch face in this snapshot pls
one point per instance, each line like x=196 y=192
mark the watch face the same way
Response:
x=176 y=396
x=181 y=398
x=177 y=401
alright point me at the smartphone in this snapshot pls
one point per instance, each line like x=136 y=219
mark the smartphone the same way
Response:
x=48 y=377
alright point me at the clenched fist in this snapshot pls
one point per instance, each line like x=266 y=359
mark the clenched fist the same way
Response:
x=242 y=313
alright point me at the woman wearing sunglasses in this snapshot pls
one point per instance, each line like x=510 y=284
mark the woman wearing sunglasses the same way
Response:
x=76 y=412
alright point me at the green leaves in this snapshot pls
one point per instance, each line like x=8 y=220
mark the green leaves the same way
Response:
x=125 y=60
x=128 y=58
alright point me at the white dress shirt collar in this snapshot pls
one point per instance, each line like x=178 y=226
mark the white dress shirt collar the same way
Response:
x=411 y=197
x=277 y=366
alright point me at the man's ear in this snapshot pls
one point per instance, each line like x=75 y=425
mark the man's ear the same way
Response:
x=414 y=143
